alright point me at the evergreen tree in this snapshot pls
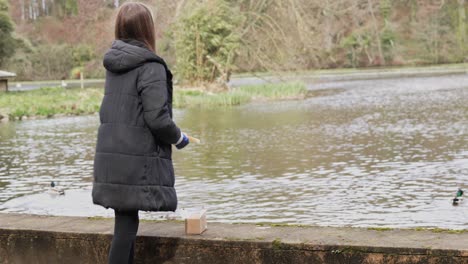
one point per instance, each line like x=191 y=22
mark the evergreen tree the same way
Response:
x=206 y=40
x=7 y=42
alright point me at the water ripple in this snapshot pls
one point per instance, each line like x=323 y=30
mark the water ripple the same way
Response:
x=375 y=153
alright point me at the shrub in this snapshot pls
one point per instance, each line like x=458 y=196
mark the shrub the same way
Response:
x=7 y=42
x=206 y=40
x=45 y=62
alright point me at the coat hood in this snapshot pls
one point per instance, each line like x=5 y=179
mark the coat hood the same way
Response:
x=126 y=55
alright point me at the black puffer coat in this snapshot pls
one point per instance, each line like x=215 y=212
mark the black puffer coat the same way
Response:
x=133 y=168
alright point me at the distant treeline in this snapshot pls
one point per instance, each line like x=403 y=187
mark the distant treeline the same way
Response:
x=207 y=40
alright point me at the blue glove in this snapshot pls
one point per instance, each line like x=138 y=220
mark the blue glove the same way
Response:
x=185 y=141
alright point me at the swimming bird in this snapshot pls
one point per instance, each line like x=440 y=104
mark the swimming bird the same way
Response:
x=458 y=197
x=54 y=190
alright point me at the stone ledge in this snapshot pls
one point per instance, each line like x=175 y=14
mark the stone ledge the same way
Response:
x=46 y=239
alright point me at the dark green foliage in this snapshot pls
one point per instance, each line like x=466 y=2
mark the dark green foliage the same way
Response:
x=6 y=25
x=7 y=42
x=357 y=46
x=82 y=54
x=3 y=6
x=206 y=40
x=387 y=38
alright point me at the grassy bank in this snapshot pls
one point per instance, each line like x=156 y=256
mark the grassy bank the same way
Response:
x=240 y=95
x=49 y=102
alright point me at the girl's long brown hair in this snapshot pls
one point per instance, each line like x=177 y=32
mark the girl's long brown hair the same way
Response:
x=135 y=21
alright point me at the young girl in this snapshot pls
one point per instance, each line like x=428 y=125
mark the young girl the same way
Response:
x=133 y=168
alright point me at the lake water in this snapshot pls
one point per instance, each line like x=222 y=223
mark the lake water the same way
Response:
x=355 y=153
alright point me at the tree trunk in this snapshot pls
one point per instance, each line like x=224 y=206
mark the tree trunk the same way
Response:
x=328 y=26
x=462 y=27
x=30 y=10
x=22 y=9
x=300 y=24
x=376 y=31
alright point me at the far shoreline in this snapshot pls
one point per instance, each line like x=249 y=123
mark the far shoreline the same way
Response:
x=59 y=102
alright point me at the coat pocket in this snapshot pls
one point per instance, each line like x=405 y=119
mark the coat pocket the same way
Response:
x=122 y=169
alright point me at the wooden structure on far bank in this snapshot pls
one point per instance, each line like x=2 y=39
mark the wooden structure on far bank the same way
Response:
x=4 y=76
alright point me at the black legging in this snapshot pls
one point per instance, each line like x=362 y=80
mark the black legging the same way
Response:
x=123 y=242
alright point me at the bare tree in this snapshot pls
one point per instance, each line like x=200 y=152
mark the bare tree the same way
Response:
x=375 y=27
x=462 y=28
